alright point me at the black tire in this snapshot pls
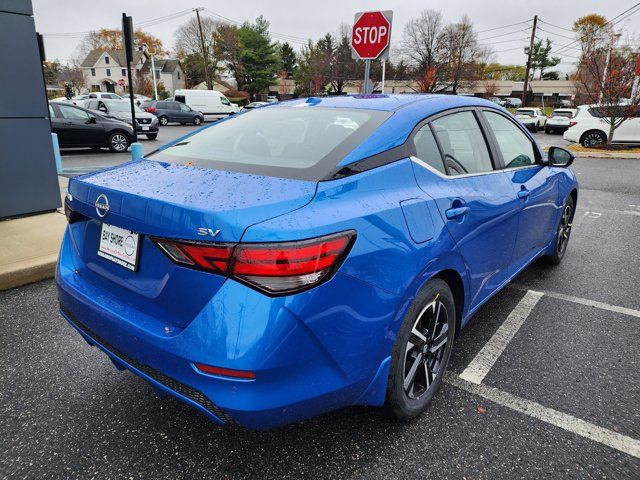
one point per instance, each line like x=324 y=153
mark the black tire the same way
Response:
x=118 y=142
x=409 y=395
x=164 y=121
x=563 y=232
x=197 y=121
x=593 y=138
x=152 y=136
x=547 y=130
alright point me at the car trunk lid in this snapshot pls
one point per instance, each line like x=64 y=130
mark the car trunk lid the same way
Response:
x=177 y=201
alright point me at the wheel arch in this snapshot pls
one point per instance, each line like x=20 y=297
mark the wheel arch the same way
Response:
x=591 y=130
x=456 y=284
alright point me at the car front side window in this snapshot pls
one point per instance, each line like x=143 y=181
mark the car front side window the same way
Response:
x=516 y=148
x=463 y=144
x=73 y=113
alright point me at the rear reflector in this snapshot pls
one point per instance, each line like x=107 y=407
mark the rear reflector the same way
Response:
x=571 y=124
x=273 y=268
x=225 y=372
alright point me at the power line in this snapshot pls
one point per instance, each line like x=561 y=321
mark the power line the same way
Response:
x=143 y=24
x=504 y=26
x=502 y=35
x=556 y=34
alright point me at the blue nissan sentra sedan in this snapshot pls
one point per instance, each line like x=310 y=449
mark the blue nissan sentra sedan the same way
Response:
x=310 y=254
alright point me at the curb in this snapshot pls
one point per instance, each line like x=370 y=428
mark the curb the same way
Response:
x=628 y=156
x=28 y=271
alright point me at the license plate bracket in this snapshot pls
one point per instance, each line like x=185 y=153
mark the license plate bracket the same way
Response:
x=119 y=245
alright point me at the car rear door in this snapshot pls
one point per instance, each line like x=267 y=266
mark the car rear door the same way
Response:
x=454 y=165
x=58 y=126
x=534 y=185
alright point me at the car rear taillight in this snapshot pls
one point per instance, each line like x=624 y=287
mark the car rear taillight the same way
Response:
x=272 y=268
x=571 y=124
x=150 y=109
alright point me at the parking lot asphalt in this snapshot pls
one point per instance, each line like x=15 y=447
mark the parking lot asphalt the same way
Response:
x=557 y=396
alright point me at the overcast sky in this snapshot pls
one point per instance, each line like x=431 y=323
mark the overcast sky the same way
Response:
x=297 y=19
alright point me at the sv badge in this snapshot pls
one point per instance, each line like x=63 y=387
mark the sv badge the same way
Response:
x=207 y=232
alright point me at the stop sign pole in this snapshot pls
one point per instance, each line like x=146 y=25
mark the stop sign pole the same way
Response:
x=370 y=40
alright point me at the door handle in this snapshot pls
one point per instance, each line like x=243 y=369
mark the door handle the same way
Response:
x=69 y=123
x=457 y=212
x=524 y=193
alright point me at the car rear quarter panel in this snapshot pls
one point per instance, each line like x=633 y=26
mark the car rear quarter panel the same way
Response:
x=362 y=307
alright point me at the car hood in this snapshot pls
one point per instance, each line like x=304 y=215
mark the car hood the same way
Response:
x=127 y=115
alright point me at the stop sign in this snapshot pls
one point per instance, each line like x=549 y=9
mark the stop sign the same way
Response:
x=121 y=82
x=371 y=34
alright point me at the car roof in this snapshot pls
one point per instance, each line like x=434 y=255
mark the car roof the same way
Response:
x=386 y=102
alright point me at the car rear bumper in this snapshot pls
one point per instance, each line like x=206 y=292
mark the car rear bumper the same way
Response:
x=571 y=135
x=298 y=374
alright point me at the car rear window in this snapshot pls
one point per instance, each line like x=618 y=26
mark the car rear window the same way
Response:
x=290 y=142
x=561 y=114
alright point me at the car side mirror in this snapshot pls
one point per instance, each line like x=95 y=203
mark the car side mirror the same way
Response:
x=560 y=157
x=91 y=120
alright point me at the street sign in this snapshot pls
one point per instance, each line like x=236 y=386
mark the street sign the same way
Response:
x=121 y=82
x=371 y=35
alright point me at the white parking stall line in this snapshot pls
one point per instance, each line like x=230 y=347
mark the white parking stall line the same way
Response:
x=567 y=422
x=489 y=354
x=583 y=301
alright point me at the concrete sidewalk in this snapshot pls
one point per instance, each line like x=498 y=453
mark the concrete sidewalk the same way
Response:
x=29 y=246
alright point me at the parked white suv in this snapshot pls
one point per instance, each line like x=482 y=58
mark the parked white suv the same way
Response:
x=589 y=128
x=559 y=120
x=532 y=118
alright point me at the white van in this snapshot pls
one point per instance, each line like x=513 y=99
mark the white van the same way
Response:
x=211 y=103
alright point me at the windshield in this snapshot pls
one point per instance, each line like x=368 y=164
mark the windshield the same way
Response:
x=296 y=142
x=121 y=106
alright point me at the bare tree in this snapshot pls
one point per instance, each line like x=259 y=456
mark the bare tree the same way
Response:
x=465 y=57
x=423 y=48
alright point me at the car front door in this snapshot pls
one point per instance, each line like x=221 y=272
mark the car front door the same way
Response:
x=475 y=198
x=534 y=185
x=81 y=127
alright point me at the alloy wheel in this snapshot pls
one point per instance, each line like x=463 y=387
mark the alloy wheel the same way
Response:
x=564 y=230
x=164 y=121
x=119 y=142
x=592 y=139
x=425 y=349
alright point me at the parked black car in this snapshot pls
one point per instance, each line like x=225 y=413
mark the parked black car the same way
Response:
x=146 y=123
x=171 y=111
x=79 y=127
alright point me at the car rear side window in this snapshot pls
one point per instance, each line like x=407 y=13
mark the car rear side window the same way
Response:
x=516 y=148
x=290 y=142
x=463 y=144
x=427 y=148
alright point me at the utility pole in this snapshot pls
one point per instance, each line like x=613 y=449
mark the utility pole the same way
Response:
x=526 y=74
x=205 y=55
